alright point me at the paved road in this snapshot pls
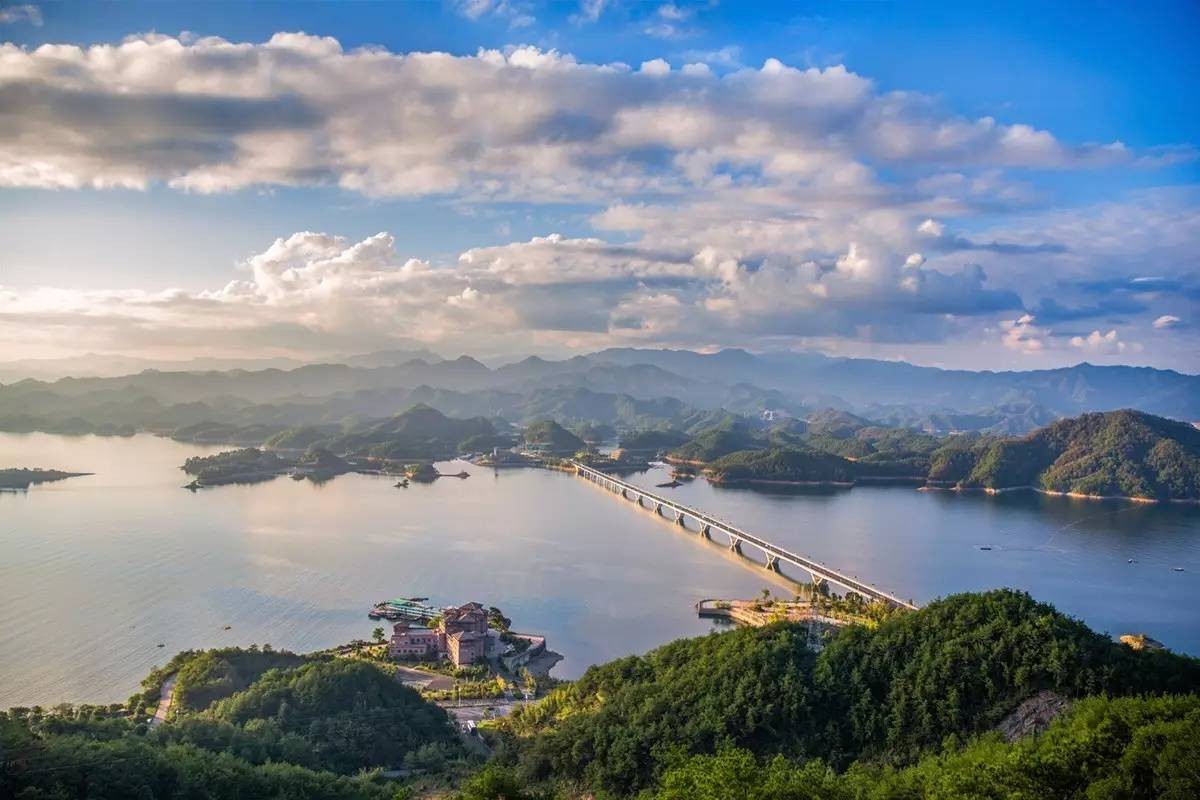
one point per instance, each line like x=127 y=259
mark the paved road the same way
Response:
x=165 y=696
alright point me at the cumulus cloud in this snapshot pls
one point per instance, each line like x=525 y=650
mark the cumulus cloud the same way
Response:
x=213 y=115
x=1167 y=321
x=1099 y=342
x=758 y=204
x=1022 y=335
x=315 y=286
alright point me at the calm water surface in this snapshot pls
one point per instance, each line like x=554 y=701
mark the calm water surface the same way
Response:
x=96 y=571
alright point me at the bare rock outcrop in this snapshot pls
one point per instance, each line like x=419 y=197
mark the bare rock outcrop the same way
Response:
x=1032 y=716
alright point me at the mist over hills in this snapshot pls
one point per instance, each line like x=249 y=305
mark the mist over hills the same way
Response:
x=628 y=388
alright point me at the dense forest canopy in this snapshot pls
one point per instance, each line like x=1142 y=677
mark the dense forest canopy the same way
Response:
x=1117 y=453
x=905 y=709
x=887 y=694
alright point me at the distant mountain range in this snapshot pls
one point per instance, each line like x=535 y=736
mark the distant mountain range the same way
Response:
x=626 y=388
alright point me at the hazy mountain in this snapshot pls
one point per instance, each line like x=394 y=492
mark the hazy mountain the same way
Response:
x=389 y=358
x=814 y=378
x=102 y=365
x=625 y=388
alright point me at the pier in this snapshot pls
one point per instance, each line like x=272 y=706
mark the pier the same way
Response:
x=737 y=539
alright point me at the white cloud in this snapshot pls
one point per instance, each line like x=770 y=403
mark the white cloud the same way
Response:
x=1023 y=335
x=214 y=115
x=674 y=13
x=1099 y=342
x=316 y=287
x=514 y=11
x=589 y=11
x=21 y=13
x=655 y=67
x=774 y=204
x=931 y=227
x=1167 y=321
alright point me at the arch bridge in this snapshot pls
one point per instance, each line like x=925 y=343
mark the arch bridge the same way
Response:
x=736 y=538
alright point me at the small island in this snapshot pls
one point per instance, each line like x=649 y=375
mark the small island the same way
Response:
x=248 y=465
x=17 y=478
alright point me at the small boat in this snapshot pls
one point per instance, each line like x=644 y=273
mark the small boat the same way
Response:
x=227 y=628
x=402 y=484
x=668 y=485
x=1131 y=561
x=1179 y=569
x=985 y=547
x=160 y=644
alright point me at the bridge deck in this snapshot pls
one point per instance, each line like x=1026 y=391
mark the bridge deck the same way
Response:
x=815 y=568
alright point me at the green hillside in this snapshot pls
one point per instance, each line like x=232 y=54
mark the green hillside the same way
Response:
x=883 y=695
x=1118 y=453
x=552 y=437
x=729 y=436
x=780 y=464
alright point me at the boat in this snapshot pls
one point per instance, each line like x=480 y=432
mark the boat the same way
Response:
x=1179 y=569
x=402 y=484
x=227 y=628
x=985 y=547
x=410 y=608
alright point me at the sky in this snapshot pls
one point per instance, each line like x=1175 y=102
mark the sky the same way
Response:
x=952 y=186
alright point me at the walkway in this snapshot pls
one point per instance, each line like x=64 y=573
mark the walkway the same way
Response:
x=165 y=696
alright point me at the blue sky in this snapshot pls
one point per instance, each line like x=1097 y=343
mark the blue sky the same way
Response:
x=739 y=206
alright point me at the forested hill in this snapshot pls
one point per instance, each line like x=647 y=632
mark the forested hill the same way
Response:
x=898 y=711
x=886 y=695
x=247 y=723
x=1119 y=453
x=1109 y=454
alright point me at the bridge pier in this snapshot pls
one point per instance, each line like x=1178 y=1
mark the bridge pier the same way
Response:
x=822 y=576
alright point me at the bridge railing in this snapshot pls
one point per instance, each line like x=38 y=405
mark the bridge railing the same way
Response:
x=815 y=567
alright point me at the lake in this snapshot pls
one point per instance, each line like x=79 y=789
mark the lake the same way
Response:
x=96 y=571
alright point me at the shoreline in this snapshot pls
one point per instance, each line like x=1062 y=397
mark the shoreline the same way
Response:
x=933 y=487
x=943 y=486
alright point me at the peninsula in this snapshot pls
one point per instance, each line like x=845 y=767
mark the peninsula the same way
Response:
x=24 y=477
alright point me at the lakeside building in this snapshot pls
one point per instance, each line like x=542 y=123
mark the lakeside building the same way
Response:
x=414 y=641
x=462 y=635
